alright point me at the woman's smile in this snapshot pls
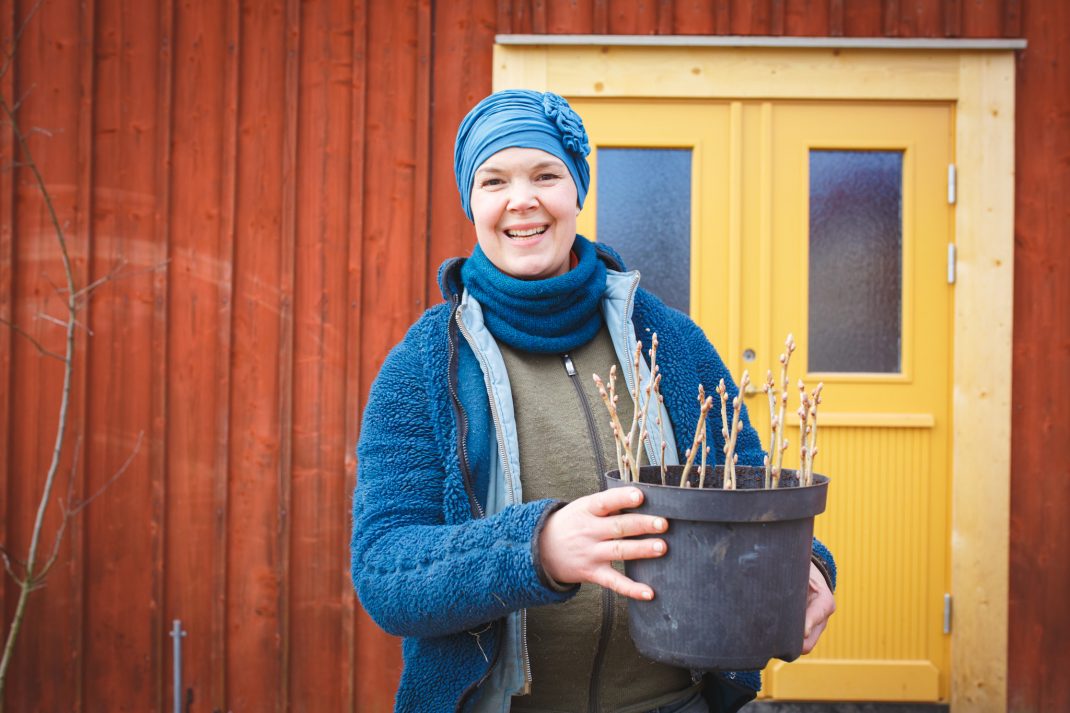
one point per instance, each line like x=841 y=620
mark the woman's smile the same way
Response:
x=522 y=233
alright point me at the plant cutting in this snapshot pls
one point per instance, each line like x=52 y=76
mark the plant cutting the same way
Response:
x=731 y=590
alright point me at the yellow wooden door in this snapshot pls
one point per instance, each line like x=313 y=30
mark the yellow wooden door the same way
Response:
x=829 y=220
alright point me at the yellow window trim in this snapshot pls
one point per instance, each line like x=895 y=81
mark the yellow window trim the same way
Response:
x=981 y=84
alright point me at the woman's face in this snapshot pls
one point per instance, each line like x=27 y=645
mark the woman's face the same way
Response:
x=524 y=209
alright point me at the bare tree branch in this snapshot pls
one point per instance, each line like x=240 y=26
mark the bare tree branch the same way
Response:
x=7 y=565
x=115 y=476
x=65 y=399
x=56 y=320
x=9 y=55
x=63 y=508
x=29 y=337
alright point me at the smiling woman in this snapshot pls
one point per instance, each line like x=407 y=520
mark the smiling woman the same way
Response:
x=481 y=507
x=524 y=206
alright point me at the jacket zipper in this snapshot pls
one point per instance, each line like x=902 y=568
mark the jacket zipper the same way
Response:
x=461 y=416
x=512 y=493
x=594 y=699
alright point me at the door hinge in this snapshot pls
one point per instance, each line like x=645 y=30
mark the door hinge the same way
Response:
x=951 y=184
x=947 y=613
x=951 y=263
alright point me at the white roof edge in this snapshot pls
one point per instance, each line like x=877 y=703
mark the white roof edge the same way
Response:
x=922 y=43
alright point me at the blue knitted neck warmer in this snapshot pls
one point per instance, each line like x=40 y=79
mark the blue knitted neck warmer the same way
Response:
x=549 y=316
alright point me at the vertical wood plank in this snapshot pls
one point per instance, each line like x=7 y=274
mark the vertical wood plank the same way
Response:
x=665 y=17
x=836 y=24
x=8 y=17
x=751 y=17
x=1040 y=417
x=285 y=378
x=983 y=19
x=160 y=364
x=521 y=23
x=538 y=17
x=119 y=578
x=694 y=17
x=863 y=18
x=319 y=662
x=199 y=324
x=723 y=11
x=261 y=304
x=562 y=17
x=226 y=326
x=952 y=18
x=601 y=17
x=922 y=18
x=78 y=429
x=421 y=232
x=1012 y=18
x=632 y=19
x=354 y=385
x=776 y=17
x=811 y=18
x=505 y=17
x=890 y=18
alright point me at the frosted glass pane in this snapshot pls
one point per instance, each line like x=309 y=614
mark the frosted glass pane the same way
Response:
x=856 y=264
x=644 y=212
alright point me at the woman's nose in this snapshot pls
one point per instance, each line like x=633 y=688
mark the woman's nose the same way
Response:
x=521 y=196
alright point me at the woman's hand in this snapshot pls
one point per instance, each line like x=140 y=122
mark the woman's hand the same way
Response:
x=819 y=607
x=580 y=541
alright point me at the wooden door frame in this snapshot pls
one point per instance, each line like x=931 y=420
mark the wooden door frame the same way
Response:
x=977 y=76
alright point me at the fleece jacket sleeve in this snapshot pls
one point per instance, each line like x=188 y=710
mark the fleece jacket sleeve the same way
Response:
x=416 y=574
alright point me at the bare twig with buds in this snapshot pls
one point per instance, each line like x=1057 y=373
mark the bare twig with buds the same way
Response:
x=630 y=443
x=633 y=432
x=770 y=391
x=614 y=422
x=697 y=441
x=780 y=444
x=811 y=448
x=651 y=394
x=804 y=425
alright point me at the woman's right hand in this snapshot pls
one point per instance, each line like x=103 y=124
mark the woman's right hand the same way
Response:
x=580 y=542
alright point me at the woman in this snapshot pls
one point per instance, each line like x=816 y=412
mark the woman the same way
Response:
x=479 y=510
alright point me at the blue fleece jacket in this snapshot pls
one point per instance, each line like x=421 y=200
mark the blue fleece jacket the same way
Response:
x=426 y=564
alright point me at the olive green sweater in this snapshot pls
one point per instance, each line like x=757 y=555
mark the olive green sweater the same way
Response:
x=559 y=459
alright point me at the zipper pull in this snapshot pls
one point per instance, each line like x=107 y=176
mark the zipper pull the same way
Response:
x=570 y=368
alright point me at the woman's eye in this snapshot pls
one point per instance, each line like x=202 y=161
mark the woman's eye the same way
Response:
x=548 y=177
x=490 y=182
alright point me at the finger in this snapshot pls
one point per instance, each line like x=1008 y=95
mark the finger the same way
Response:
x=612 y=579
x=630 y=525
x=620 y=550
x=613 y=500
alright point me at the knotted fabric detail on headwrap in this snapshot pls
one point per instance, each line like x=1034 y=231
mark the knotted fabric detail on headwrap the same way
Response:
x=520 y=118
x=549 y=316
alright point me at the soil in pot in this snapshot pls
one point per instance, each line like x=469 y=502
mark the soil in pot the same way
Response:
x=730 y=592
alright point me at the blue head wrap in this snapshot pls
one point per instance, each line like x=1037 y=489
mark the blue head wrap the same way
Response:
x=520 y=118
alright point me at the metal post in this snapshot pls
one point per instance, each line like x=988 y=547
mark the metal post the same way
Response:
x=176 y=647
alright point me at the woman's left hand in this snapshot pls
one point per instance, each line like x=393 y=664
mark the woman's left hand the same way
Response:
x=819 y=607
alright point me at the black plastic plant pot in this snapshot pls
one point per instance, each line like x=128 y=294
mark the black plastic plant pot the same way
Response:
x=730 y=592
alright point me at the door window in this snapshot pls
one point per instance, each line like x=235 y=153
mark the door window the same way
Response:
x=644 y=203
x=856 y=265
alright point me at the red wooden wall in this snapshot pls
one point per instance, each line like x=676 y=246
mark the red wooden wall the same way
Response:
x=272 y=181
